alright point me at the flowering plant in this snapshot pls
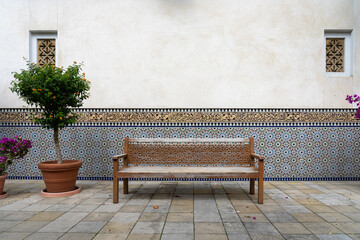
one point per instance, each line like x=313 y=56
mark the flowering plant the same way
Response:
x=354 y=99
x=11 y=149
x=55 y=91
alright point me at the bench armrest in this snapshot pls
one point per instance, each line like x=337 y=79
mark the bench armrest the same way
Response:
x=117 y=157
x=261 y=158
x=116 y=161
x=260 y=162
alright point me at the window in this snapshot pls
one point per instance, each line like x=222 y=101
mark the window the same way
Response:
x=43 y=48
x=338 y=53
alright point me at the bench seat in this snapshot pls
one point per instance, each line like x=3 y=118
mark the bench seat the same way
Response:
x=188 y=172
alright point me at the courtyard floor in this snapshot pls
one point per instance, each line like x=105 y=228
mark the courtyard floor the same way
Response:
x=183 y=210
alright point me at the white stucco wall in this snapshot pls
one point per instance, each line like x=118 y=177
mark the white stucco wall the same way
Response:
x=189 y=53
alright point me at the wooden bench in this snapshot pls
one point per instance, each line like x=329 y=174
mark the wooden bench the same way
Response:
x=188 y=158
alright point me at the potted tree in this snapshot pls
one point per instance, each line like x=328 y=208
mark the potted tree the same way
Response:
x=10 y=150
x=55 y=92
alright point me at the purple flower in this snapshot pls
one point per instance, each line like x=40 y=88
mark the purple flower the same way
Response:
x=3 y=159
x=11 y=149
x=354 y=99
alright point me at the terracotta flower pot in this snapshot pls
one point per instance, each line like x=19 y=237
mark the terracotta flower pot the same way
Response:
x=60 y=177
x=2 y=183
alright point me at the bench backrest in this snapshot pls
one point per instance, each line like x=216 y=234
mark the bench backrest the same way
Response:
x=188 y=151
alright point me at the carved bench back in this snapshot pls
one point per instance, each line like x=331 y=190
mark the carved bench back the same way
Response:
x=188 y=151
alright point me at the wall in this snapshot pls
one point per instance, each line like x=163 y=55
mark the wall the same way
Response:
x=189 y=53
x=193 y=68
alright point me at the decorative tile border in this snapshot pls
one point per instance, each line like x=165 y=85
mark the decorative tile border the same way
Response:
x=196 y=115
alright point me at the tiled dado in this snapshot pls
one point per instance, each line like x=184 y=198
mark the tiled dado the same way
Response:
x=297 y=144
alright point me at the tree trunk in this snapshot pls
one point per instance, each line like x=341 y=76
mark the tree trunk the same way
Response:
x=57 y=145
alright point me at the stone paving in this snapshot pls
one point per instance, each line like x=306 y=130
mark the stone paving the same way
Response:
x=183 y=210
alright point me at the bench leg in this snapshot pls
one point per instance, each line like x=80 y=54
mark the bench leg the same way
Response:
x=125 y=186
x=261 y=190
x=115 y=189
x=252 y=186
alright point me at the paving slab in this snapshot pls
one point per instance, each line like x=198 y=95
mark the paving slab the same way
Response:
x=331 y=199
x=57 y=227
x=235 y=228
x=158 y=200
x=157 y=208
x=73 y=217
x=209 y=227
x=96 y=201
x=229 y=217
x=44 y=236
x=300 y=237
x=239 y=237
x=110 y=236
x=88 y=227
x=14 y=207
x=321 y=228
x=247 y=209
x=13 y=235
x=182 y=208
x=271 y=208
x=28 y=226
x=4 y=214
x=319 y=208
x=291 y=228
x=261 y=228
x=307 y=217
x=46 y=216
x=98 y=217
x=333 y=237
x=296 y=209
x=211 y=237
x=269 y=236
x=5 y=225
x=182 y=202
x=144 y=236
x=138 y=201
x=334 y=217
x=345 y=209
x=84 y=208
x=109 y=208
x=117 y=228
x=280 y=217
x=207 y=216
x=132 y=208
x=353 y=215
x=121 y=217
x=77 y=236
x=177 y=236
x=153 y=217
x=253 y=217
x=148 y=227
x=60 y=208
x=348 y=227
x=19 y=216
x=179 y=228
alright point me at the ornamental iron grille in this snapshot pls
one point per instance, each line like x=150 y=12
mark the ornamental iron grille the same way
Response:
x=46 y=51
x=335 y=54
